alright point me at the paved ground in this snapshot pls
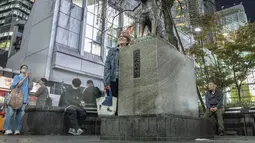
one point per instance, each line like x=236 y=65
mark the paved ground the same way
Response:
x=95 y=139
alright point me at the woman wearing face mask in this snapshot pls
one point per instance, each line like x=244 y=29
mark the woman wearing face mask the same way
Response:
x=42 y=93
x=21 y=81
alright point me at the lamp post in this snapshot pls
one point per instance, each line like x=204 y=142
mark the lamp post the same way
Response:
x=198 y=30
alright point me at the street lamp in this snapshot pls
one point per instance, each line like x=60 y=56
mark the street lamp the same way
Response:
x=198 y=29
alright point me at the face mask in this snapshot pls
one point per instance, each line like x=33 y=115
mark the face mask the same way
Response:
x=23 y=70
x=75 y=87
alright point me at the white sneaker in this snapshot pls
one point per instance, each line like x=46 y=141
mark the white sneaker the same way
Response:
x=79 y=132
x=72 y=131
x=8 y=132
x=17 y=133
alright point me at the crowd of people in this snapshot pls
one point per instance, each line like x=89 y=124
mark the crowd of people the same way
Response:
x=73 y=99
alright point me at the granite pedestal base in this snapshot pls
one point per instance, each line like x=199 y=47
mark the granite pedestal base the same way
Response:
x=155 y=78
x=155 y=128
x=52 y=121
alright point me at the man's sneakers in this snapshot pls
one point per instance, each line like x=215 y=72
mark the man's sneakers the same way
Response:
x=74 y=132
x=17 y=133
x=221 y=133
x=8 y=132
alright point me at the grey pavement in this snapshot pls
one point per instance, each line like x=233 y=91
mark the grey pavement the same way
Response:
x=96 y=139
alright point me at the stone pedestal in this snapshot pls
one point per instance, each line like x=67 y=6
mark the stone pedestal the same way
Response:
x=155 y=128
x=157 y=96
x=155 y=78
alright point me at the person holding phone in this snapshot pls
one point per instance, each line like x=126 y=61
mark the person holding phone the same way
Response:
x=21 y=81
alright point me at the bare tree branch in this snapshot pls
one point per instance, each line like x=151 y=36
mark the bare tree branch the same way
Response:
x=132 y=10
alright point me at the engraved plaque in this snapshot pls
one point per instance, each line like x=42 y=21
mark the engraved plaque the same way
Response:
x=136 y=59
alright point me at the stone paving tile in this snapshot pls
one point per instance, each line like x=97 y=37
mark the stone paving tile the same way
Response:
x=95 y=139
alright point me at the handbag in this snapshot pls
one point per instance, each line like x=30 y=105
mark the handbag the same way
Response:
x=109 y=107
x=15 y=99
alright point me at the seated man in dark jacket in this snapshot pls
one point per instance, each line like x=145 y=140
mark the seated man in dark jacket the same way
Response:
x=90 y=94
x=214 y=104
x=71 y=100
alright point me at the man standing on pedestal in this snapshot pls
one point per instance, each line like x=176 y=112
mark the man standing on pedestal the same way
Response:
x=214 y=104
x=111 y=68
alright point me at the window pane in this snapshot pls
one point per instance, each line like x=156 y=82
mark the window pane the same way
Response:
x=90 y=18
x=91 y=5
x=112 y=32
x=78 y=2
x=88 y=43
x=112 y=14
x=111 y=41
x=96 y=49
x=98 y=22
x=97 y=35
x=98 y=7
x=127 y=20
x=89 y=31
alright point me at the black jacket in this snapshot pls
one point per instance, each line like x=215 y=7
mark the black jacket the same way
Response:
x=90 y=94
x=71 y=97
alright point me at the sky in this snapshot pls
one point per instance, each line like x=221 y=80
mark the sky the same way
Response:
x=249 y=6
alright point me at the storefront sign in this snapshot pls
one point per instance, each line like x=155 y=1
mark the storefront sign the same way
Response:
x=5 y=82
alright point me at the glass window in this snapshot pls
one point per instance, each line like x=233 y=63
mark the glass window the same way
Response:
x=91 y=5
x=78 y=2
x=88 y=44
x=90 y=18
x=93 y=27
x=128 y=21
x=89 y=31
x=96 y=49
x=97 y=35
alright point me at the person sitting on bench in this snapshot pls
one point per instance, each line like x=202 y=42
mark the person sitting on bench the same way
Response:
x=90 y=94
x=214 y=104
x=74 y=106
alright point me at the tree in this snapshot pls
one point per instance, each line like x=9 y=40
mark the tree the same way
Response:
x=238 y=54
x=245 y=94
x=209 y=67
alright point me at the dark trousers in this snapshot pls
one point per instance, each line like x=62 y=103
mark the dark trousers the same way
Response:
x=210 y=116
x=74 y=114
x=115 y=91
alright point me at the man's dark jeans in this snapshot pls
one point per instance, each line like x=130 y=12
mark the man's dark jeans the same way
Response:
x=74 y=114
x=115 y=91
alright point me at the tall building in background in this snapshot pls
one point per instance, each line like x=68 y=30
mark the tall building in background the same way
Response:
x=233 y=17
x=13 y=15
x=185 y=14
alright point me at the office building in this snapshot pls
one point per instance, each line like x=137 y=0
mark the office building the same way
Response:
x=233 y=17
x=66 y=39
x=13 y=15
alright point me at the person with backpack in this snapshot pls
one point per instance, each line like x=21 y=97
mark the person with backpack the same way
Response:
x=71 y=100
x=20 y=86
x=42 y=93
